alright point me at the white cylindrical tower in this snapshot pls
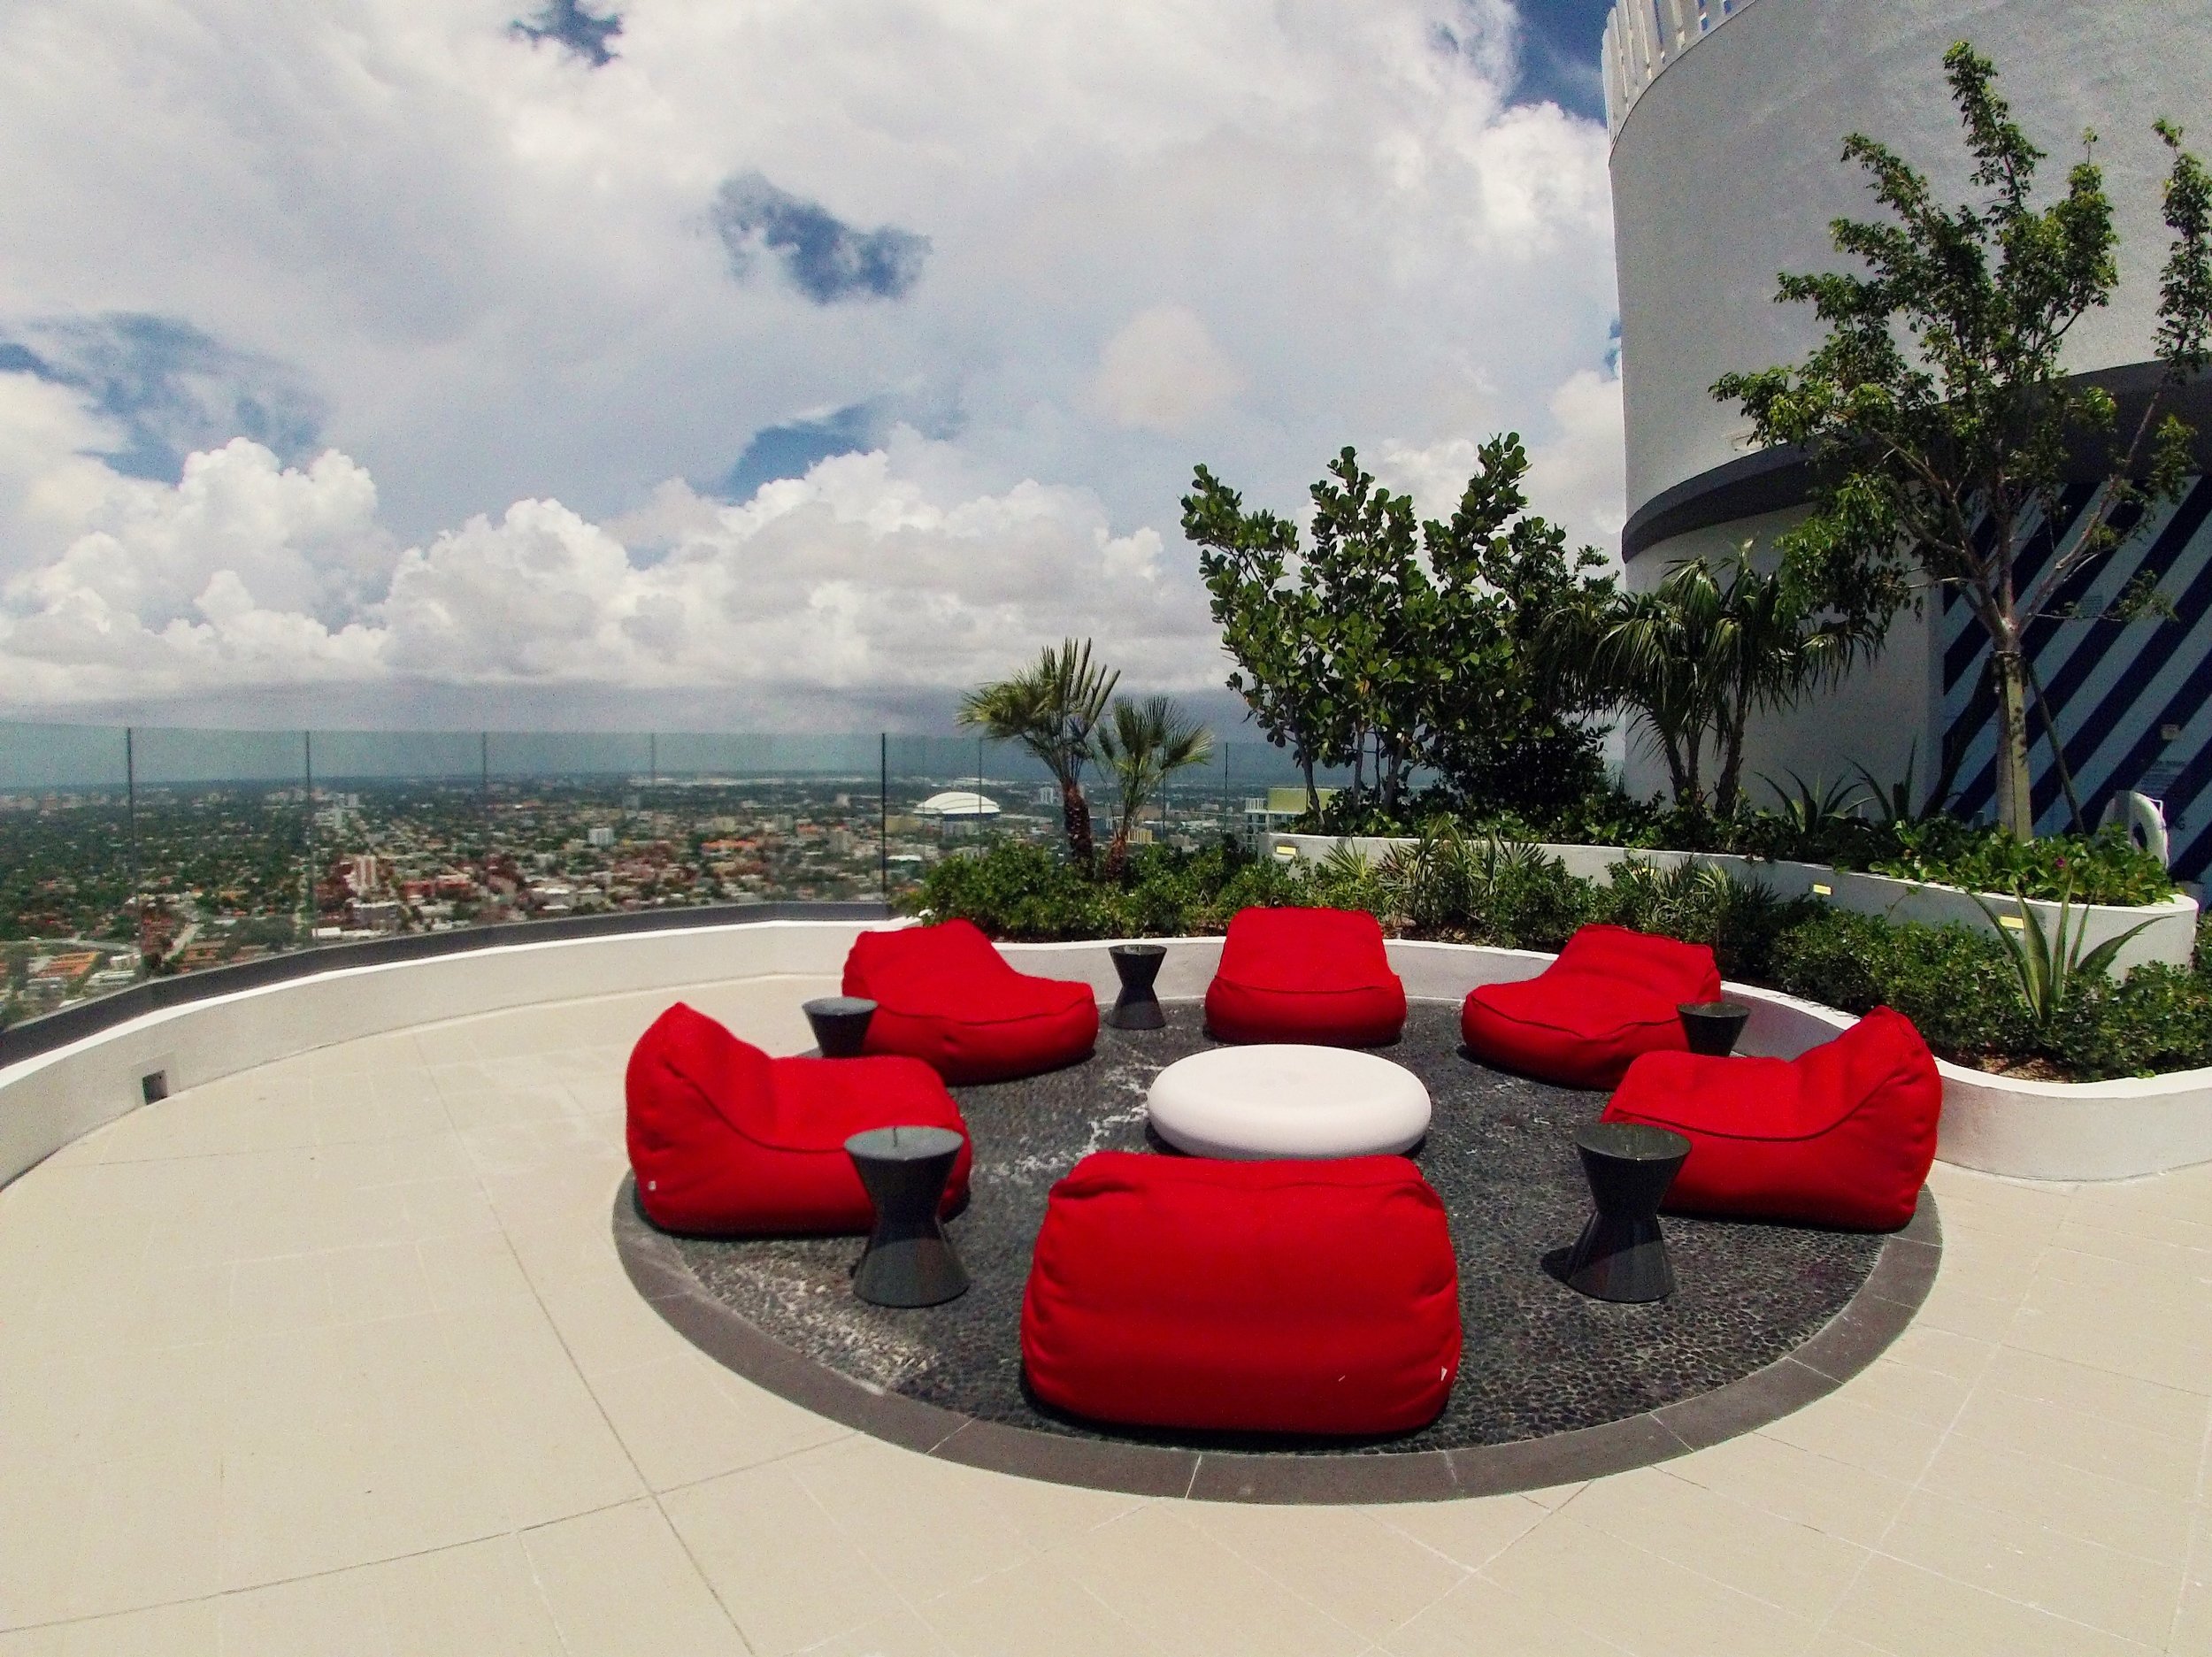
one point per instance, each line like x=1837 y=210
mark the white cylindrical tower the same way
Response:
x=1729 y=124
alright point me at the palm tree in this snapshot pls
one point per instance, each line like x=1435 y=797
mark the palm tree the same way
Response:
x=1693 y=656
x=1051 y=708
x=1143 y=744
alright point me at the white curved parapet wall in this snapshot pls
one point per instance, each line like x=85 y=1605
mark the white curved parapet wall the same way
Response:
x=2028 y=1130
x=1727 y=169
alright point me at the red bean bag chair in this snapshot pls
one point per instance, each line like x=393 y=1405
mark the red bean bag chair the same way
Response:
x=724 y=1139
x=1841 y=1135
x=945 y=996
x=1318 y=976
x=1303 y=1297
x=1609 y=997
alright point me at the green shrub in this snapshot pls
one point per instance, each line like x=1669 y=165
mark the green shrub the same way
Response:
x=2105 y=867
x=1032 y=894
x=2159 y=1019
x=1741 y=921
x=1956 y=986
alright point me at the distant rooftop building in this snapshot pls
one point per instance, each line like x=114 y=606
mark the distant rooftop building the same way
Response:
x=958 y=804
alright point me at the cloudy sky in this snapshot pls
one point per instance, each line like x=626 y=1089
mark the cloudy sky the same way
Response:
x=789 y=363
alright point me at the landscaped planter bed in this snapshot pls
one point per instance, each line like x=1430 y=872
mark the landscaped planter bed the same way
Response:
x=2169 y=937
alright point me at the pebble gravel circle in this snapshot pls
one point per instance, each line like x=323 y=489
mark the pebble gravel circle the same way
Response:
x=1540 y=1358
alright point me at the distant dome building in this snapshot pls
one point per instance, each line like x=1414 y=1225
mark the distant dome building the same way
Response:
x=1729 y=121
x=957 y=805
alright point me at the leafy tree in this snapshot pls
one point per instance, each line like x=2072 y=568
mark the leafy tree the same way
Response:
x=1390 y=643
x=1693 y=658
x=1142 y=744
x=1270 y=623
x=1051 y=708
x=1936 y=415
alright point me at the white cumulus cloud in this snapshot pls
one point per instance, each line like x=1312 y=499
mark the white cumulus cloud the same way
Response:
x=1163 y=372
x=506 y=364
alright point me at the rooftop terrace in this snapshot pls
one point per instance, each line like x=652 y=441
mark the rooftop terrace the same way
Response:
x=336 y=1352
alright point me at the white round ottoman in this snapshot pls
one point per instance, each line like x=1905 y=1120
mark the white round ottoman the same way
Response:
x=1277 y=1099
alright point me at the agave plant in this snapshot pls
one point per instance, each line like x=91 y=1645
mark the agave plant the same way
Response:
x=2048 y=967
x=1813 y=808
x=1893 y=803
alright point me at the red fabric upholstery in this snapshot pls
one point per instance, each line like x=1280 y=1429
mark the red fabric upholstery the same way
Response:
x=1609 y=997
x=1319 y=976
x=945 y=996
x=1307 y=1297
x=725 y=1139
x=1841 y=1135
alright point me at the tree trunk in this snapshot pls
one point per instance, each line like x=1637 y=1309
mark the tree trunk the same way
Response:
x=1677 y=777
x=1730 y=780
x=1313 y=794
x=1075 y=818
x=2016 y=803
x=2058 y=751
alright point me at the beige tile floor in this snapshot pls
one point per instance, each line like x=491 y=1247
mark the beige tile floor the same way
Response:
x=335 y=1356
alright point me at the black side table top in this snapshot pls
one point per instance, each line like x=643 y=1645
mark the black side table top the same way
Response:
x=902 y=1145
x=837 y=1006
x=839 y=1024
x=1632 y=1142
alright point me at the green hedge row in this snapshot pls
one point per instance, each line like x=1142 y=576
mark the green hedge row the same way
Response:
x=1957 y=985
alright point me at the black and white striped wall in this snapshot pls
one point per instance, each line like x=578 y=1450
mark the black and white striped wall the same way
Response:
x=2133 y=703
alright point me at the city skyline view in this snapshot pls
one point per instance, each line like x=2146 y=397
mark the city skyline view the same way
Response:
x=584 y=366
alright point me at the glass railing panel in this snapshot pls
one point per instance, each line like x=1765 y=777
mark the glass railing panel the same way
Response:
x=221 y=846
x=67 y=932
x=170 y=851
x=401 y=832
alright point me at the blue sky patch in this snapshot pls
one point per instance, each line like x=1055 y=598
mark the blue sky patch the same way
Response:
x=826 y=258
x=789 y=450
x=1560 y=43
x=172 y=388
x=567 y=24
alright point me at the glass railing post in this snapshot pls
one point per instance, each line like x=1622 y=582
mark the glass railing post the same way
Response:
x=883 y=813
x=130 y=814
x=307 y=766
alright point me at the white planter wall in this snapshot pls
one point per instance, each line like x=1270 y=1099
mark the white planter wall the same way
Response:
x=2169 y=937
x=2029 y=1130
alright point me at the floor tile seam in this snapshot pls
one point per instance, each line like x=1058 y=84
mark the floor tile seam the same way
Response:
x=1828 y=1618
x=1296 y=1592
x=2197 y=1530
x=1660 y=1560
x=1138 y=1641
x=1860 y=1548
x=1173 y=1511
x=2068 y=1537
x=2180 y=1574
x=699 y=1570
x=1562 y=1614
x=1541 y=1514
x=2069 y=1469
x=1991 y=1440
x=1769 y=1515
x=240 y=1589
x=866 y=1561
x=792 y=1455
x=2098 y=1368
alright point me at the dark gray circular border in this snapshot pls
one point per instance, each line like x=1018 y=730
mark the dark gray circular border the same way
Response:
x=1902 y=1275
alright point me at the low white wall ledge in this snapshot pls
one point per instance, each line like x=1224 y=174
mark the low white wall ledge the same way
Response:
x=2113 y=1130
